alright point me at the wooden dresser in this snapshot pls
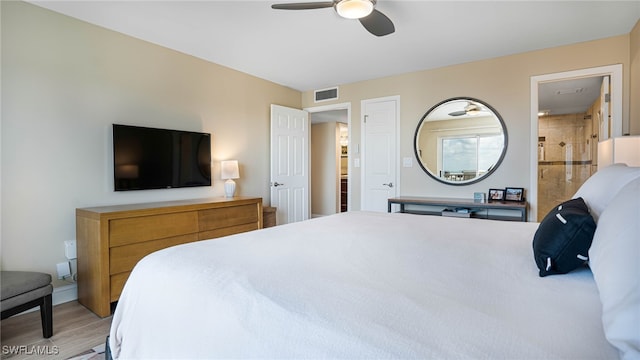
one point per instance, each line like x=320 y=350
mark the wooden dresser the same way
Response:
x=112 y=239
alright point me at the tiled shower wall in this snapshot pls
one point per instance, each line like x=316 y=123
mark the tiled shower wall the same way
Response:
x=564 y=158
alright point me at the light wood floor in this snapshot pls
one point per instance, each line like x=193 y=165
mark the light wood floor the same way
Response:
x=75 y=330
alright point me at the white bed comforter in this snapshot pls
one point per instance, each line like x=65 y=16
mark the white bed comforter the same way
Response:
x=359 y=285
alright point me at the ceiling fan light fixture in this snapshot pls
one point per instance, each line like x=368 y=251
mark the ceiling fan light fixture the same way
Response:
x=354 y=9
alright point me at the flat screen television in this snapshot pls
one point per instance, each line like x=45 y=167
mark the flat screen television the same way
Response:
x=149 y=158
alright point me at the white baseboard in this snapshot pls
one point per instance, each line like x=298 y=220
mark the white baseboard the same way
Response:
x=60 y=295
x=65 y=293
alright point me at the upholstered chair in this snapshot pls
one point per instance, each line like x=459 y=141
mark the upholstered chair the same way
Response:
x=23 y=290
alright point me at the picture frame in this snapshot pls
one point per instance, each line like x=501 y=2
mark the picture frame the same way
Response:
x=514 y=194
x=496 y=194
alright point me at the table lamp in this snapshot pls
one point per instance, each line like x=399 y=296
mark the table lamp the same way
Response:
x=229 y=172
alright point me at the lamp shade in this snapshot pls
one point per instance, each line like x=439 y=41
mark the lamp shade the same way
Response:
x=622 y=149
x=229 y=169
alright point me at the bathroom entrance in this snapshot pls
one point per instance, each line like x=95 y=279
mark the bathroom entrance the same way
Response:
x=330 y=159
x=569 y=116
x=570 y=113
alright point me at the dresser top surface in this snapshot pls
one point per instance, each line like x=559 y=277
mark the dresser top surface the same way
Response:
x=169 y=204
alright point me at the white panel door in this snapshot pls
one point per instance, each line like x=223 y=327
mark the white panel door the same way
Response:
x=290 y=180
x=380 y=119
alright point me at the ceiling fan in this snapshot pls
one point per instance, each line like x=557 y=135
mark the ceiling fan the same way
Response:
x=471 y=109
x=373 y=20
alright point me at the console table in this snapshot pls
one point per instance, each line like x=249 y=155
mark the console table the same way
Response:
x=112 y=239
x=493 y=210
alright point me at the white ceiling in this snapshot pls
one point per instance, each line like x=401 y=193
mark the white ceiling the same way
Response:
x=315 y=49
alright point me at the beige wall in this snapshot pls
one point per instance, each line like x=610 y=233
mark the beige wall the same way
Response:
x=64 y=82
x=503 y=82
x=635 y=80
x=325 y=168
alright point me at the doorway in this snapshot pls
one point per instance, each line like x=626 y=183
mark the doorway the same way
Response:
x=569 y=111
x=330 y=185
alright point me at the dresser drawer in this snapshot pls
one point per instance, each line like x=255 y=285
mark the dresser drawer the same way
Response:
x=144 y=228
x=213 y=219
x=229 y=230
x=124 y=258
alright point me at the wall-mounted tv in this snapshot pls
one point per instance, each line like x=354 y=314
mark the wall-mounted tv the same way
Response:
x=149 y=158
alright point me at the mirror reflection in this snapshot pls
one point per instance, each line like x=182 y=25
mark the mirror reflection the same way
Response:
x=460 y=141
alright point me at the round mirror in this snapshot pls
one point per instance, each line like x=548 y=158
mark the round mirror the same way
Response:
x=460 y=141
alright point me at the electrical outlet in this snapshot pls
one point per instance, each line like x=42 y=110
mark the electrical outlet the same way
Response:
x=63 y=270
x=70 y=249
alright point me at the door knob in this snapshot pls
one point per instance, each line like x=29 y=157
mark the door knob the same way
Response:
x=276 y=184
x=389 y=185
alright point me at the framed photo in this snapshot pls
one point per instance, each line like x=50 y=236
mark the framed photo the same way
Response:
x=496 y=194
x=514 y=194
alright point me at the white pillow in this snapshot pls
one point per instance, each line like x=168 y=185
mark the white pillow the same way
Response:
x=602 y=186
x=614 y=258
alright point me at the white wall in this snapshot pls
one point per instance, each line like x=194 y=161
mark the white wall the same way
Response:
x=64 y=82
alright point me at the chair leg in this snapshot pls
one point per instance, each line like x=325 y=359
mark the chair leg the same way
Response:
x=46 y=314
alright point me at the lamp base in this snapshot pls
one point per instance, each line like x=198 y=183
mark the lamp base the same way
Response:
x=229 y=188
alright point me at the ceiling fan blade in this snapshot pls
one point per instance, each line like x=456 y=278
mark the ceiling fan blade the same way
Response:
x=378 y=23
x=303 y=6
x=458 y=113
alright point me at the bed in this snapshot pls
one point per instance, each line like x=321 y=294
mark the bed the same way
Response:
x=378 y=285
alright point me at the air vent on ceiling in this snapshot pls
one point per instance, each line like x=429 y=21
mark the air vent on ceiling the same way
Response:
x=326 y=94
